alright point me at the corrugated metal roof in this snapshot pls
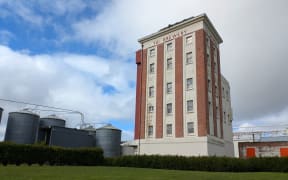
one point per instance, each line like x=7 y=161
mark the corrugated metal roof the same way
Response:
x=270 y=139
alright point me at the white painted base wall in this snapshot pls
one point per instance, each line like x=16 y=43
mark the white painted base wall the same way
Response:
x=194 y=146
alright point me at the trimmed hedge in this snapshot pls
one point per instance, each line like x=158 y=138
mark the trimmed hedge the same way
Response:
x=40 y=154
x=219 y=164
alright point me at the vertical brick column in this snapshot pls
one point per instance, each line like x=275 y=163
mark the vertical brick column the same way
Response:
x=220 y=93
x=179 y=87
x=140 y=94
x=201 y=80
x=159 y=91
x=213 y=89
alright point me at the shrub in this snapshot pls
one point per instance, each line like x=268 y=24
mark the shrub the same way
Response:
x=39 y=154
x=219 y=164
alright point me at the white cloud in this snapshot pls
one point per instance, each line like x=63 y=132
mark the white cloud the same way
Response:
x=57 y=80
x=253 y=54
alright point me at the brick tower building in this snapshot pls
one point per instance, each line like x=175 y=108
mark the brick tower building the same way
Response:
x=183 y=102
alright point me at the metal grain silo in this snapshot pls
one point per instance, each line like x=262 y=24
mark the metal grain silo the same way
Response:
x=109 y=139
x=22 y=127
x=1 y=110
x=47 y=122
x=51 y=120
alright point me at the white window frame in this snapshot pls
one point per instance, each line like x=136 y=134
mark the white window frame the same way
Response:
x=169 y=129
x=169 y=88
x=190 y=84
x=151 y=91
x=169 y=64
x=189 y=58
x=190 y=105
x=150 y=130
x=152 y=68
x=190 y=130
x=151 y=108
x=189 y=40
x=169 y=109
x=152 y=52
x=169 y=46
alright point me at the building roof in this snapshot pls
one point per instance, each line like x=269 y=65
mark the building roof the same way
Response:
x=277 y=138
x=109 y=126
x=180 y=24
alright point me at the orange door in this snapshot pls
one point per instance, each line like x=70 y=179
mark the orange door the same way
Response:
x=250 y=152
x=283 y=152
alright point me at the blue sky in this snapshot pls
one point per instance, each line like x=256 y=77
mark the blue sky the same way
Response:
x=79 y=54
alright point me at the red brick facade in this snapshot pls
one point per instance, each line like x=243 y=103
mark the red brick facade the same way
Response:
x=140 y=94
x=159 y=89
x=220 y=93
x=213 y=84
x=202 y=88
x=179 y=87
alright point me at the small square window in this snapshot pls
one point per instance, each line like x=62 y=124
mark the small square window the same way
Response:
x=169 y=63
x=169 y=129
x=189 y=58
x=152 y=68
x=169 y=108
x=169 y=88
x=190 y=106
x=189 y=83
x=190 y=127
x=151 y=91
x=152 y=52
x=209 y=85
x=151 y=108
x=150 y=130
x=209 y=107
x=189 y=40
x=169 y=47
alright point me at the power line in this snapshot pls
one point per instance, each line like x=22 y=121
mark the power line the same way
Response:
x=51 y=107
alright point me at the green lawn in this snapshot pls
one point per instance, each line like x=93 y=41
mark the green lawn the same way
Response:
x=111 y=173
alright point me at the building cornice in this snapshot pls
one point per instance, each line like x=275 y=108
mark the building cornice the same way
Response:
x=182 y=24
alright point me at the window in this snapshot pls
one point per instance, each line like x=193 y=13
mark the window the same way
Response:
x=169 y=88
x=152 y=68
x=209 y=107
x=169 y=129
x=224 y=117
x=151 y=108
x=169 y=108
x=189 y=40
x=189 y=83
x=169 y=63
x=189 y=105
x=217 y=113
x=151 y=91
x=152 y=52
x=190 y=127
x=169 y=47
x=188 y=57
x=208 y=41
x=209 y=85
x=150 y=130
